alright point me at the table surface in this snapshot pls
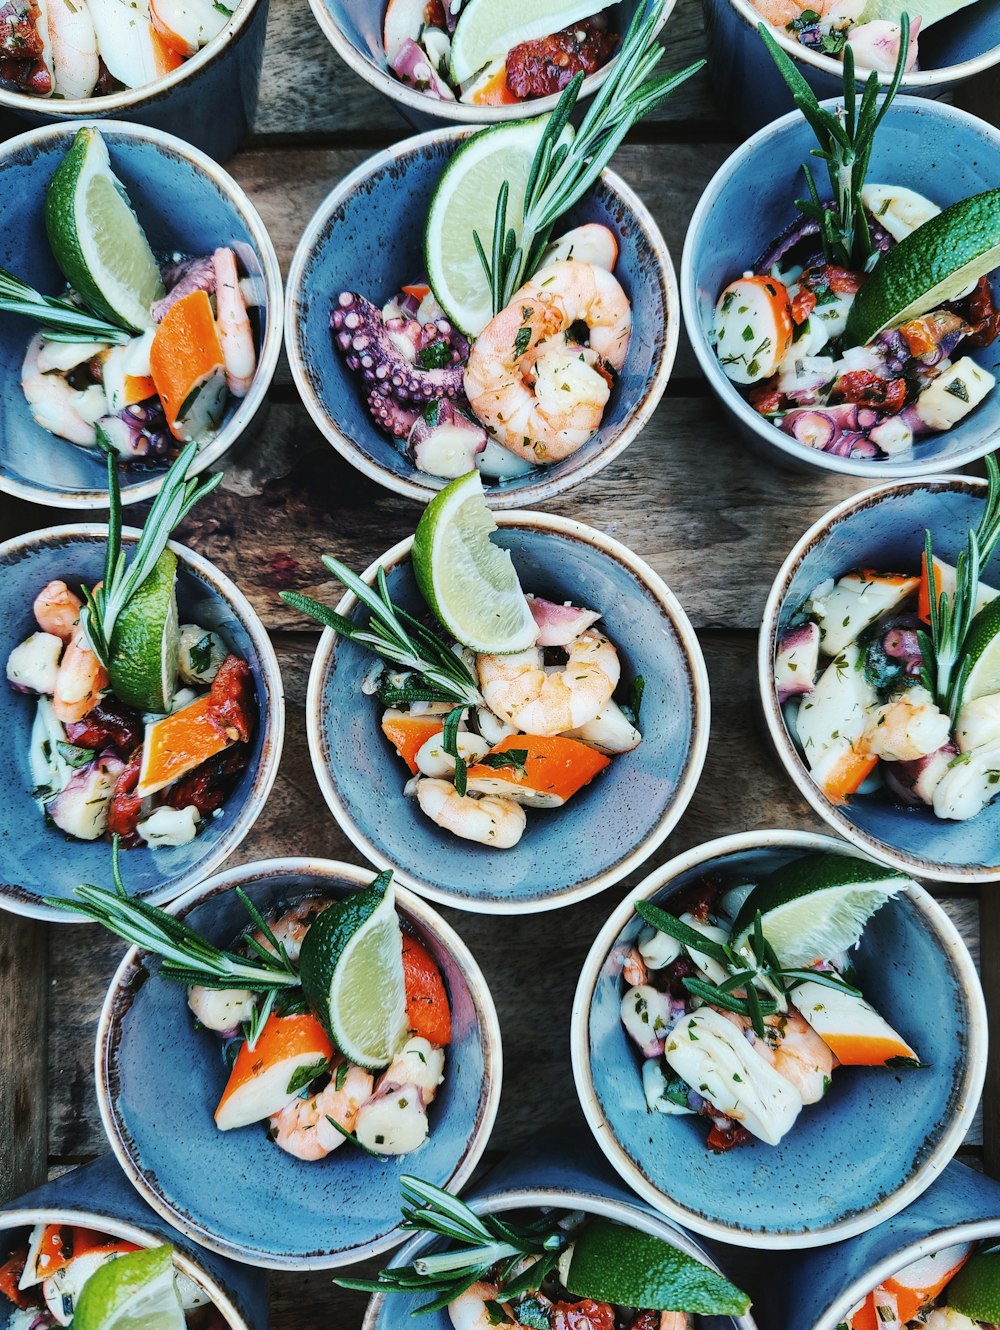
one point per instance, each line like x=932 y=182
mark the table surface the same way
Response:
x=717 y=534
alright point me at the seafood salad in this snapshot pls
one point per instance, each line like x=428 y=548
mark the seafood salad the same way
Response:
x=954 y=1289
x=457 y=50
x=488 y=729
x=141 y=352
x=49 y=1277
x=90 y=48
x=739 y=1022
x=142 y=737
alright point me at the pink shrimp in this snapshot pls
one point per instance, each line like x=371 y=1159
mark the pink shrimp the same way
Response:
x=57 y=610
x=81 y=681
x=302 y=1129
x=235 y=332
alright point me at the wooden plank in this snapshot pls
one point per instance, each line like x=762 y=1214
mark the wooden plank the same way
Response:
x=989 y=922
x=23 y=1055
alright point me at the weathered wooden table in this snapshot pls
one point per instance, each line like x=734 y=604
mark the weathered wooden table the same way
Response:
x=714 y=522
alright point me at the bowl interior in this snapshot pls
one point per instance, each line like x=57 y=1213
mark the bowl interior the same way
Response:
x=562 y=849
x=181 y=208
x=37 y=860
x=373 y=241
x=971 y=32
x=164 y=1079
x=887 y=532
x=870 y=1135
x=933 y=149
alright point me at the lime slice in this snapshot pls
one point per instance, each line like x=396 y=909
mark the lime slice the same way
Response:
x=932 y=265
x=145 y=642
x=816 y=907
x=352 y=974
x=928 y=11
x=611 y=1263
x=982 y=651
x=464 y=202
x=486 y=31
x=96 y=237
x=132 y=1292
x=975 y=1290
x=468 y=582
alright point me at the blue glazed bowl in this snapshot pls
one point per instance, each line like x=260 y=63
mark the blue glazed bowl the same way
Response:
x=354 y=29
x=883 y=528
x=874 y=1143
x=559 y=1170
x=612 y=825
x=185 y=202
x=751 y=92
x=209 y=101
x=98 y=1196
x=159 y=1080
x=368 y=237
x=37 y=860
x=937 y=150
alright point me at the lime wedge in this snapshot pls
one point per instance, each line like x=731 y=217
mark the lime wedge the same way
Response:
x=468 y=582
x=611 y=1263
x=932 y=265
x=982 y=651
x=928 y=11
x=145 y=642
x=486 y=31
x=96 y=237
x=975 y=1290
x=132 y=1292
x=464 y=202
x=352 y=974
x=816 y=907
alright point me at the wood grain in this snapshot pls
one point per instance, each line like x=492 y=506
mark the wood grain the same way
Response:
x=23 y=1055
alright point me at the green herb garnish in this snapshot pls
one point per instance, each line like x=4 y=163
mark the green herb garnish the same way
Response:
x=61 y=319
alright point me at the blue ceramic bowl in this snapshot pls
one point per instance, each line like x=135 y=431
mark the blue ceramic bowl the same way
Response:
x=752 y=92
x=937 y=150
x=159 y=1080
x=98 y=1196
x=612 y=825
x=209 y=101
x=185 y=202
x=368 y=237
x=354 y=29
x=874 y=1143
x=37 y=860
x=883 y=528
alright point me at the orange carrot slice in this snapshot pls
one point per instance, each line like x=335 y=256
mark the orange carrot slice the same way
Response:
x=165 y=58
x=494 y=91
x=177 y=744
x=845 y=772
x=861 y=1050
x=408 y=734
x=186 y=363
x=258 y=1084
x=10 y=1279
x=914 y=1287
x=427 y=1009
x=418 y=290
x=553 y=770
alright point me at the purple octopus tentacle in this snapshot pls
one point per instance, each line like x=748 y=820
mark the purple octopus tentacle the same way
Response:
x=361 y=335
x=393 y=416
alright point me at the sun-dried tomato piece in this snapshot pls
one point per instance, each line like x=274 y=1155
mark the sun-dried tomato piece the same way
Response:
x=646 y=1321
x=803 y=304
x=766 y=397
x=545 y=66
x=841 y=281
x=584 y=1315
x=208 y=786
x=726 y=1138
x=434 y=15
x=231 y=698
x=123 y=814
x=865 y=388
x=982 y=314
x=110 y=722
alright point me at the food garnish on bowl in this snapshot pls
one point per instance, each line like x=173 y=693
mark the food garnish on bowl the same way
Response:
x=889 y=680
x=141 y=353
x=741 y=997
x=551 y=1270
x=853 y=332
x=954 y=1289
x=504 y=354
x=474 y=702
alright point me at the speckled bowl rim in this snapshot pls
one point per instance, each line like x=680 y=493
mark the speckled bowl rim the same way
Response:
x=271 y=707
x=131 y=99
x=937 y=922
x=498 y=497
x=726 y=392
x=657 y=589
x=270 y=347
x=975 y=1230
x=458 y=113
x=429 y=923
x=591 y=1203
x=918 y=78
x=27 y=1216
x=915 y=865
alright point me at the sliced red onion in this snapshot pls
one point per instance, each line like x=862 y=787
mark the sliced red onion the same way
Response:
x=558 y=625
x=181 y=279
x=412 y=64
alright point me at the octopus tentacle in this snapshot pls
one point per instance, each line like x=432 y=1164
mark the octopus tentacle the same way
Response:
x=393 y=416
x=370 y=348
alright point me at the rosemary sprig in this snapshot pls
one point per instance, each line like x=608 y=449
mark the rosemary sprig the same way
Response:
x=178 y=495
x=61 y=320
x=561 y=173
x=479 y=1243
x=394 y=635
x=945 y=667
x=846 y=137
